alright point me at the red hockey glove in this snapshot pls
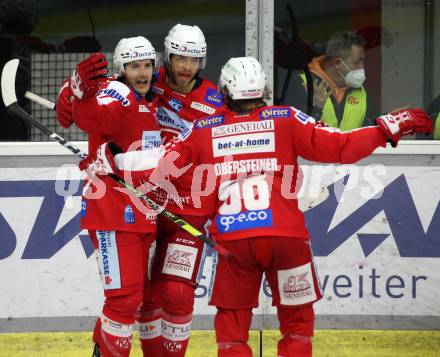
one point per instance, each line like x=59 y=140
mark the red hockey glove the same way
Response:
x=64 y=105
x=89 y=75
x=103 y=162
x=404 y=122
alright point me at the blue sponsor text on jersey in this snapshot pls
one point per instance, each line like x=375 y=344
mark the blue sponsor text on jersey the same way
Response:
x=275 y=113
x=244 y=220
x=209 y=121
x=176 y=104
x=115 y=94
x=165 y=119
x=214 y=97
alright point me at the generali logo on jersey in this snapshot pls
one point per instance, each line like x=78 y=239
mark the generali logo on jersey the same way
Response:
x=180 y=260
x=239 y=128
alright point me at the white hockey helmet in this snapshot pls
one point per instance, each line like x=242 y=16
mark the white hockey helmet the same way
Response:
x=184 y=40
x=243 y=77
x=133 y=49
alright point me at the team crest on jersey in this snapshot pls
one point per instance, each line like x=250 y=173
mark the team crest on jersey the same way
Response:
x=176 y=104
x=209 y=121
x=275 y=113
x=129 y=215
x=303 y=117
x=202 y=108
x=214 y=97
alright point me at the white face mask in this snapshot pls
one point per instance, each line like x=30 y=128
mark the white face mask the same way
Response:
x=354 y=78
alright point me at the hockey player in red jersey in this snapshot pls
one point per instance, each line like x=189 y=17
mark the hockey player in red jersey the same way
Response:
x=121 y=110
x=249 y=153
x=182 y=97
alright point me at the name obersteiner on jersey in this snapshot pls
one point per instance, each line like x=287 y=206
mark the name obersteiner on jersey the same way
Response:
x=249 y=165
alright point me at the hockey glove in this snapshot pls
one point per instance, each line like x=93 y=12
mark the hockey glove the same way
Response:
x=103 y=162
x=88 y=76
x=64 y=105
x=404 y=122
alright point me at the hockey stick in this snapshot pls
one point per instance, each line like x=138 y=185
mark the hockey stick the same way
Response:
x=10 y=99
x=40 y=100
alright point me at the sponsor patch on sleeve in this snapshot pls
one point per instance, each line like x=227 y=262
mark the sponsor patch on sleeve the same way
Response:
x=303 y=117
x=176 y=104
x=115 y=91
x=271 y=113
x=209 y=121
x=214 y=97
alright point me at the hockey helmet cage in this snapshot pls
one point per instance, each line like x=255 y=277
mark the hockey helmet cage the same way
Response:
x=133 y=49
x=185 y=40
x=243 y=77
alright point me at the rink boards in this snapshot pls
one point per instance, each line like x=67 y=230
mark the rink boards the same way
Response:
x=375 y=231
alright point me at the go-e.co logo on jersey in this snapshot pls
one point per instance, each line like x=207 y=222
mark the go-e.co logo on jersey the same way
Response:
x=244 y=220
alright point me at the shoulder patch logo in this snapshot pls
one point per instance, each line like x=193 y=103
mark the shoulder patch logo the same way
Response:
x=303 y=117
x=214 y=97
x=209 y=121
x=352 y=100
x=271 y=113
x=176 y=104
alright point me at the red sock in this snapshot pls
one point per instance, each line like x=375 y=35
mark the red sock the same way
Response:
x=233 y=349
x=295 y=346
x=150 y=335
x=115 y=340
x=97 y=332
x=175 y=334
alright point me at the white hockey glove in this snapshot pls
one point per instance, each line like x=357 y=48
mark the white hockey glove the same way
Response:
x=404 y=122
x=103 y=162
